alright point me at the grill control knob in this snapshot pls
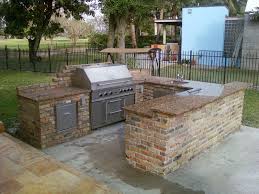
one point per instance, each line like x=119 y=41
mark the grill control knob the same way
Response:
x=100 y=94
x=110 y=92
x=105 y=93
x=124 y=90
x=120 y=90
x=131 y=89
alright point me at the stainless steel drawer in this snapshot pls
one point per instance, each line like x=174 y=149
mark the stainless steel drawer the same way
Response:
x=66 y=116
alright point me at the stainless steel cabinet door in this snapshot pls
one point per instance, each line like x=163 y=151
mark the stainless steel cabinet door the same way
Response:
x=98 y=114
x=109 y=111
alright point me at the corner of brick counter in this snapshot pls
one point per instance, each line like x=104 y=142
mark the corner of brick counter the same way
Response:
x=38 y=118
x=164 y=143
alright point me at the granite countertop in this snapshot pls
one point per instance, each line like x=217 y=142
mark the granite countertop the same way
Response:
x=53 y=93
x=196 y=95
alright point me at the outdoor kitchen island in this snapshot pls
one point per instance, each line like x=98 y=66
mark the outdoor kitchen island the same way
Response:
x=164 y=129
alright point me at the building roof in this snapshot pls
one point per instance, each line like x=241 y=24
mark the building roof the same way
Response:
x=177 y=22
x=234 y=18
x=206 y=6
x=125 y=50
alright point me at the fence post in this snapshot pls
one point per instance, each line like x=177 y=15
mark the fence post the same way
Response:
x=86 y=54
x=67 y=56
x=134 y=59
x=225 y=68
x=34 y=65
x=6 y=57
x=159 y=63
x=19 y=58
x=50 y=68
x=190 y=68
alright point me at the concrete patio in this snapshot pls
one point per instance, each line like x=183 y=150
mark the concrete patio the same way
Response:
x=230 y=167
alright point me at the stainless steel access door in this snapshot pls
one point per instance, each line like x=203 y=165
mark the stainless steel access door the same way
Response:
x=109 y=111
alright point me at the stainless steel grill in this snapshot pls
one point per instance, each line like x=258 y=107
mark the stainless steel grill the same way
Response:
x=111 y=88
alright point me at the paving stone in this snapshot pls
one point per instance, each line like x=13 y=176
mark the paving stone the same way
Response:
x=42 y=167
x=25 y=170
x=10 y=186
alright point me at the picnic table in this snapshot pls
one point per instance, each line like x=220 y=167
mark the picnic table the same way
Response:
x=150 y=51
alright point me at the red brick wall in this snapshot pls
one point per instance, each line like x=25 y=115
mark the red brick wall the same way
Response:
x=163 y=143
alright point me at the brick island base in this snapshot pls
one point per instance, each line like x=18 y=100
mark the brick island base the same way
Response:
x=161 y=143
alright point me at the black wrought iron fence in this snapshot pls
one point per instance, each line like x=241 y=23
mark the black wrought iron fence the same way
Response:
x=207 y=66
x=48 y=60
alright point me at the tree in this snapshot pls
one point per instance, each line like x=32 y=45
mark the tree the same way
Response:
x=53 y=29
x=75 y=28
x=119 y=14
x=142 y=16
x=1 y=26
x=233 y=5
x=31 y=18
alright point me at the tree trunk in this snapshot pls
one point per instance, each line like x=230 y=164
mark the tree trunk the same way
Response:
x=74 y=40
x=111 y=32
x=137 y=33
x=160 y=26
x=133 y=35
x=51 y=41
x=34 y=46
x=121 y=24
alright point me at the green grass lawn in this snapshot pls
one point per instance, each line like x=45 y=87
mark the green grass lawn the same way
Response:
x=9 y=80
x=251 y=109
x=23 y=43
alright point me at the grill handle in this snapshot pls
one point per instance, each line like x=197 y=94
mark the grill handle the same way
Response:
x=110 y=83
x=114 y=112
x=112 y=101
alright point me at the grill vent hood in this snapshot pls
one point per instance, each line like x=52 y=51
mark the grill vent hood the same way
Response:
x=101 y=76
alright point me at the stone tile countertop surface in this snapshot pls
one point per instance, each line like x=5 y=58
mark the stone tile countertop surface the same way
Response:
x=196 y=95
x=52 y=93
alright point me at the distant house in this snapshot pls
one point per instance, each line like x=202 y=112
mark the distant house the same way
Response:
x=209 y=31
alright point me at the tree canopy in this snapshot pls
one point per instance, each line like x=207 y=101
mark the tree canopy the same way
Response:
x=31 y=18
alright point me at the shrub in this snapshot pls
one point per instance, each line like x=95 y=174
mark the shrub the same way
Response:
x=98 y=40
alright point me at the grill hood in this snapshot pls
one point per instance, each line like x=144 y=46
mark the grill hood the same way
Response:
x=101 y=76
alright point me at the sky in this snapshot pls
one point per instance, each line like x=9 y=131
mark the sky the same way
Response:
x=95 y=8
x=251 y=5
